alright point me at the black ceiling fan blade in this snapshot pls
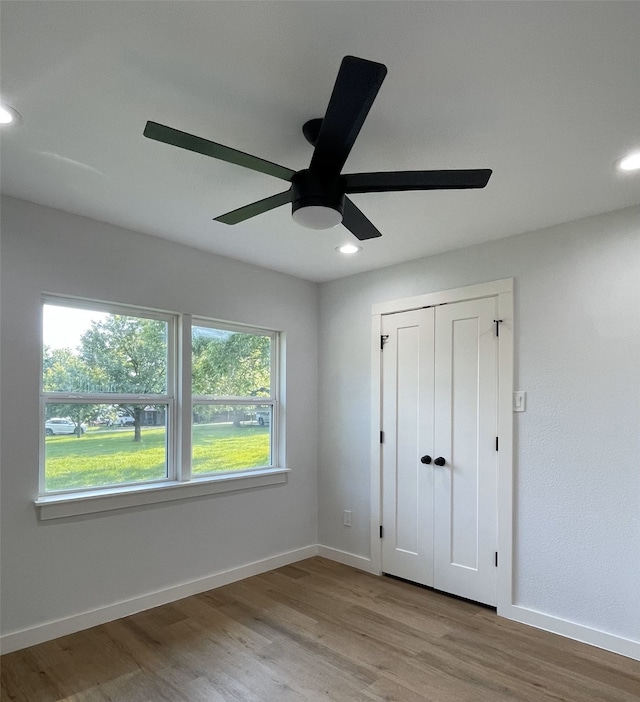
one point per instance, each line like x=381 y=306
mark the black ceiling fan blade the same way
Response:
x=357 y=223
x=355 y=89
x=416 y=180
x=182 y=140
x=255 y=208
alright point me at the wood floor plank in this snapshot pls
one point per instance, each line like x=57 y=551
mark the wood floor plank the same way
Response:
x=317 y=630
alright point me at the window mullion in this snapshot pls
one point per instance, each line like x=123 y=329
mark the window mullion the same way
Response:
x=183 y=400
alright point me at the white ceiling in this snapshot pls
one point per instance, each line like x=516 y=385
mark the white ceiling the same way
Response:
x=547 y=94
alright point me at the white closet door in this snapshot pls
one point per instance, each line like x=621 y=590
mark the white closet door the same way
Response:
x=465 y=487
x=439 y=460
x=407 y=408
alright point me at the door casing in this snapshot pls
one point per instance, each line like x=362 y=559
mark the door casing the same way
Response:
x=502 y=290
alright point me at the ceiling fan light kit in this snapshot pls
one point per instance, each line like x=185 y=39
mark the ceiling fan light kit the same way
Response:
x=316 y=216
x=318 y=195
x=317 y=202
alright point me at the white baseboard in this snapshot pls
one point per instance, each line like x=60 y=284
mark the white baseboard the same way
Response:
x=85 y=620
x=539 y=620
x=350 y=559
x=571 y=630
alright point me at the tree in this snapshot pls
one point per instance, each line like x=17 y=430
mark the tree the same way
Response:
x=131 y=354
x=64 y=371
x=231 y=365
x=236 y=366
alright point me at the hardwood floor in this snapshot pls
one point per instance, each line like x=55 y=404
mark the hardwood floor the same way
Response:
x=317 y=630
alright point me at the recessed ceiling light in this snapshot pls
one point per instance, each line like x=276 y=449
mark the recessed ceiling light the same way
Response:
x=349 y=249
x=630 y=162
x=8 y=115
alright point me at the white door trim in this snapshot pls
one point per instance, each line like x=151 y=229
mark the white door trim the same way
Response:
x=503 y=291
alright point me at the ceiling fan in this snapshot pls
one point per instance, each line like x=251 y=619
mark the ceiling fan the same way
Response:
x=318 y=195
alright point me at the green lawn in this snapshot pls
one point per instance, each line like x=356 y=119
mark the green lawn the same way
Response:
x=109 y=457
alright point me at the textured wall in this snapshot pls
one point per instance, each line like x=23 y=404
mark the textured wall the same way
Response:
x=577 y=461
x=577 y=455
x=58 y=568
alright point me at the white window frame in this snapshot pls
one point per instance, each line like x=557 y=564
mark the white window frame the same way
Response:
x=271 y=401
x=179 y=482
x=69 y=398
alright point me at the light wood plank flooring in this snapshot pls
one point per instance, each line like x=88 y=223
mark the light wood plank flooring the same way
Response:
x=317 y=630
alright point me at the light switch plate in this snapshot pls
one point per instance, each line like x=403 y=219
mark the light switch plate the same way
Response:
x=519 y=401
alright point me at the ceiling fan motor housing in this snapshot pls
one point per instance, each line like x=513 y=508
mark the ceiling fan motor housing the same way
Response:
x=309 y=189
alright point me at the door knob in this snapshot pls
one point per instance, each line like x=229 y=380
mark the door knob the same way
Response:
x=425 y=459
x=439 y=461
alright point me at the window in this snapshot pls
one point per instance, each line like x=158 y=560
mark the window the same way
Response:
x=115 y=418
x=103 y=369
x=232 y=374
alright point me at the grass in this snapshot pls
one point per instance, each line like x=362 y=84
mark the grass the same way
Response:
x=225 y=447
x=111 y=457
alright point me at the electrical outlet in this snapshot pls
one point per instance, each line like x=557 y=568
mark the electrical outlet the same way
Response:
x=346 y=517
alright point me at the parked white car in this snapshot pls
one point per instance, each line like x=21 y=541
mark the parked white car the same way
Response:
x=263 y=417
x=61 y=425
x=124 y=420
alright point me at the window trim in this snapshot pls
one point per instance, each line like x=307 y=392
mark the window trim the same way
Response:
x=179 y=483
x=58 y=505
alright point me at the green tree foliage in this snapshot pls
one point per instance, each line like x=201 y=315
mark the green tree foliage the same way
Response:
x=64 y=371
x=130 y=353
x=234 y=365
x=121 y=354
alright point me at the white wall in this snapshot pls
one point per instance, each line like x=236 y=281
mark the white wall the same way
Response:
x=56 y=569
x=577 y=460
x=577 y=456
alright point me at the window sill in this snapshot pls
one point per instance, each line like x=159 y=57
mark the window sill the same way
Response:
x=103 y=500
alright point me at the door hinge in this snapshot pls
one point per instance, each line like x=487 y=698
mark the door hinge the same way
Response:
x=381 y=531
x=496 y=559
x=383 y=340
x=496 y=443
x=382 y=437
x=497 y=322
